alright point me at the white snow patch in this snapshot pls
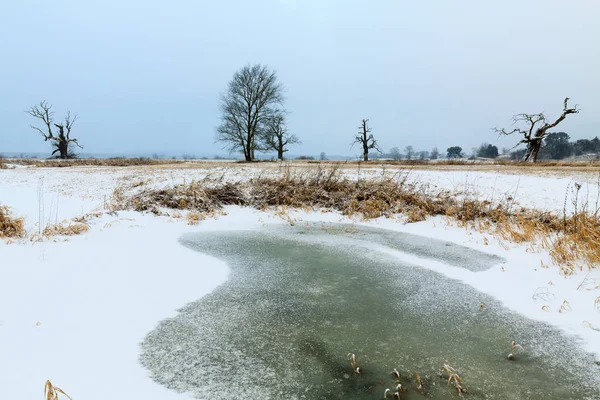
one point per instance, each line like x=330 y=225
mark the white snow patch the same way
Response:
x=97 y=295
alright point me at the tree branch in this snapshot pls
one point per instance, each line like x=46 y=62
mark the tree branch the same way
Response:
x=566 y=111
x=44 y=112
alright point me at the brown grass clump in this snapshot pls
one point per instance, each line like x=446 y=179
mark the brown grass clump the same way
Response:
x=2 y=163
x=11 y=227
x=194 y=217
x=579 y=241
x=52 y=392
x=65 y=229
x=198 y=196
x=329 y=189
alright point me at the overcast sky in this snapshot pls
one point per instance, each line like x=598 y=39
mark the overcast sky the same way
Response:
x=145 y=76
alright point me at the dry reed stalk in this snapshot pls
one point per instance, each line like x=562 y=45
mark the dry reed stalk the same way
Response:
x=454 y=379
x=52 y=392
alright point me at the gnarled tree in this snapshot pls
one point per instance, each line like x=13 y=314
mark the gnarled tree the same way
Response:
x=61 y=141
x=365 y=138
x=536 y=128
x=252 y=99
x=277 y=137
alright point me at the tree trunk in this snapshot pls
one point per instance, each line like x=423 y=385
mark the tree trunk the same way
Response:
x=247 y=154
x=280 y=154
x=63 y=149
x=533 y=149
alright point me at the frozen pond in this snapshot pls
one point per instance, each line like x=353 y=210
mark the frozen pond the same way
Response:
x=299 y=299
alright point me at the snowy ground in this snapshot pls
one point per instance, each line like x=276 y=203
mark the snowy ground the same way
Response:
x=74 y=310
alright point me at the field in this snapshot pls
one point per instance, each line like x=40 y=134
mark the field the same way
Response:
x=90 y=259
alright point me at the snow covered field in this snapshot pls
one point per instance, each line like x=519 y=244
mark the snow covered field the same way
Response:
x=74 y=310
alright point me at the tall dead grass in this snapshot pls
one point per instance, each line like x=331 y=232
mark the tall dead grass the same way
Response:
x=200 y=196
x=572 y=240
x=10 y=226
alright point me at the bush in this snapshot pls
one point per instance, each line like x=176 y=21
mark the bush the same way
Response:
x=454 y=152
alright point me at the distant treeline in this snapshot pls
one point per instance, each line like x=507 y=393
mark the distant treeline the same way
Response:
x=556 y=146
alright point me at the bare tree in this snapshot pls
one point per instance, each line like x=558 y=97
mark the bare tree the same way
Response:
x=395 y=153
x=536 y=128
x=62 y=141
x=410 y=151
x=366 y=139
x=276 y=136
x=435 y=153
x=252 y=99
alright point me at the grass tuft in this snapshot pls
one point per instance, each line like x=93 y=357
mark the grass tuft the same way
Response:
x=64 y=228
x=10 y=226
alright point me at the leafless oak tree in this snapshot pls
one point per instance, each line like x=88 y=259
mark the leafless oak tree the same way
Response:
x=276 y=136
x=366 y=139
x=61 y=142
x=252 y=99
x=536 y=128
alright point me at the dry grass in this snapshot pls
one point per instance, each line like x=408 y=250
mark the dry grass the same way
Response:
x=2 y=162
x=194 y=217
x=52 y=392
x=65 y=229
x=75 y=227
x=96 y=162
x=573 y=241
x=10 y=226
x=454 y=379
x=200 y=196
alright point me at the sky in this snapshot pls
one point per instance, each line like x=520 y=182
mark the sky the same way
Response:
x=145 y=76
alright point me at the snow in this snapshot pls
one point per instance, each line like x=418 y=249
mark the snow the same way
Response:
x=75 y=310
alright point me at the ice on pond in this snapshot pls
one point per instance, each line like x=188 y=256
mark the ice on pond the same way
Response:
x=299 y=299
